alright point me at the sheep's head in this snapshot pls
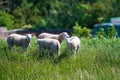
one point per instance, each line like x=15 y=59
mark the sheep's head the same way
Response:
x=62 y=35
x=68 y=40
x=29 y=36
x=65 y=35
x=33 y=34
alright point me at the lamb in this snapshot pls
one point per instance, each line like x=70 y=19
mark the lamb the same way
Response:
x=19 y=40
x=59 y=37
x=52 y=45
x=73 y=44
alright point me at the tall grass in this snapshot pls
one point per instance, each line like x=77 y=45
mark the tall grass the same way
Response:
x=98 y=59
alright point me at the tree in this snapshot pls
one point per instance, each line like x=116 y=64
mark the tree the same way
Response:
x=6 y=20
x=60 y=13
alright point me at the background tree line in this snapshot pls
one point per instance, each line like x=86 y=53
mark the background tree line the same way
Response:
x=56 y=13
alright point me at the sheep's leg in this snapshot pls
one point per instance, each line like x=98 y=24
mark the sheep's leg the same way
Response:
x=52 y=52
x=69 y=50
x=10 y=46
x=78 y=49
x=58 y=53
x=10 y=43
x=75 y=51
x=41 y=50
x=24 y=48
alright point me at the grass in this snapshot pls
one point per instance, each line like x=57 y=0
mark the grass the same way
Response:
x=99 y=59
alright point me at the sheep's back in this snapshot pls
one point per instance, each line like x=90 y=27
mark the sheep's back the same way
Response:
x=75 y=41
x=55 y=43
x=49 y=43
x=16 y=38
x=48 y=35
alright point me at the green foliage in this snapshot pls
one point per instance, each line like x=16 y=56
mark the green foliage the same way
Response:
x=6 y=20
x=77 y=30
x=112 y=32
x=20 y=19
x=81 y=32
x=101 y=33
x=60 y=13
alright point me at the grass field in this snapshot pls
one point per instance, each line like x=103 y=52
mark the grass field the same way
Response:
x=99 y=59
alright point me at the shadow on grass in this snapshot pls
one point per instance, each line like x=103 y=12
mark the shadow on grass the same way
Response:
x=60 y=58
x=41 y=56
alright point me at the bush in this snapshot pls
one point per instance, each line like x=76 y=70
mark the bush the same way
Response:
x=81 y=32
x=6 y=20
x=112 y=32
x=101 y=33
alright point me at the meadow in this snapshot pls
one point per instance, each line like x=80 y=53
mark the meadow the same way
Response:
x=98 y=59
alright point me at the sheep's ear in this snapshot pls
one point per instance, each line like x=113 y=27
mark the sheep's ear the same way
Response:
x=33 y=34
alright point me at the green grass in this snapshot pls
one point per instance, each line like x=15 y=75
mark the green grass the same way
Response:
x=98 y=59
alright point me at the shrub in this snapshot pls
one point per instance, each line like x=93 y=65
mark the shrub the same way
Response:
x=101 y=33
x=112 y=32
x=81 y=32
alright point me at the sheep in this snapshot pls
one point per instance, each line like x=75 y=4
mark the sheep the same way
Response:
x=52 y=45
x=19 y=40
x=59 y=37
x=73 y=44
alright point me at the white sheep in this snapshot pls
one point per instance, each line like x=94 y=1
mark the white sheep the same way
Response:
x=52 y=45
x=73 y=44
x=19 y=40
x=59 y=37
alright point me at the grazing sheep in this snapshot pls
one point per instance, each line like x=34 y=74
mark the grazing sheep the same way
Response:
x=52 y=45
x=73 y=44
x=19 y=40
x=59 y=37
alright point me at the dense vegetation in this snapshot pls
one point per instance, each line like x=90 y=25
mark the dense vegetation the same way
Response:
x=99 y=59
x=56 y=13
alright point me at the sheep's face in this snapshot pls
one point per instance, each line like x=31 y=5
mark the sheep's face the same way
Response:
x=28 y=37
x=68 y=40
x=65 y=35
